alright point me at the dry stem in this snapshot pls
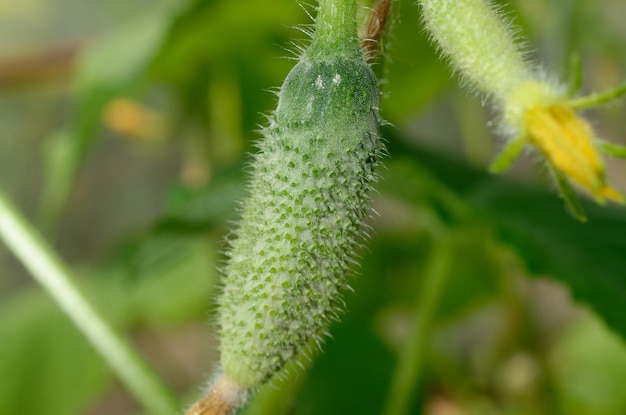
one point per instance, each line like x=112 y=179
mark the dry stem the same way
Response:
x=374 y=28
x=224 y=396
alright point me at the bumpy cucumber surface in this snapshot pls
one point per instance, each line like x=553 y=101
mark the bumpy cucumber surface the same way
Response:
x=308 y=195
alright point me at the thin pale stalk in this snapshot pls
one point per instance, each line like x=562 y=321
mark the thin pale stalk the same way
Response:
x=49 y=271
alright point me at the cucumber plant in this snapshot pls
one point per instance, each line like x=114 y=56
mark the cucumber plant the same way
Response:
x=308 y=196
x=303 y=216
x=308 y=190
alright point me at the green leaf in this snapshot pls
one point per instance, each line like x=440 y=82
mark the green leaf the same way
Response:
x=588 y=258
x=474 y=274
x=174 y=285
x=193 y=210
x=351 y=376
x=413 y=72
x=590 y=362
x=47 y=367
x=107 y=67
x=221 y=40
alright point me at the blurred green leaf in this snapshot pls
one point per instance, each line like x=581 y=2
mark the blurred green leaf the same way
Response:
x=46 y=366
x=121 y=56
x=351 y=376
x=587 y=257
x=474 y=274
x=175 y=286
x=106 y=68
x=590 y=362
x=413 y=73
x=192 y=210
x=214 y=38
x=164 y=278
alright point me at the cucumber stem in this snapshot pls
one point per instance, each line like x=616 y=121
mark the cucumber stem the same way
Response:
x=335 y=31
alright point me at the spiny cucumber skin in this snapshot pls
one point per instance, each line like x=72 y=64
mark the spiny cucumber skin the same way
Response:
x=304 y=213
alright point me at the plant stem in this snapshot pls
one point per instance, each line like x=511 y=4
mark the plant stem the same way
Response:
x=335 y=30
x=53 y=275
x=224 y=397
x=411 y=361
x=601 y=98
x=371 y=35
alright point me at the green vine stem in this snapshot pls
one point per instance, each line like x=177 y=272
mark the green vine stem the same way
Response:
x=53 y=275
x=411 y=361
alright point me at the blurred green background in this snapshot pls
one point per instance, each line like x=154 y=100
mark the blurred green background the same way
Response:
x=126 y=126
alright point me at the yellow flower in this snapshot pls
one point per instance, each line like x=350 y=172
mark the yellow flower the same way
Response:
x=566 y=140
x=484 y=49
x=542 y=115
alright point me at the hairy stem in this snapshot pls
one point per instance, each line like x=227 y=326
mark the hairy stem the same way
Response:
x=335 y=30
x=49 y=271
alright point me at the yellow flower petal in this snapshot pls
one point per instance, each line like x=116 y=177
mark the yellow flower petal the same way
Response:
x=566 y=140
x=607 y=192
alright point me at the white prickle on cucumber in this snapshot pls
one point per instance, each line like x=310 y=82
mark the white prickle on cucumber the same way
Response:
x=308 y=196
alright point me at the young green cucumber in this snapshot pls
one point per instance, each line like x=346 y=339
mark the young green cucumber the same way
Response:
x=308 y=196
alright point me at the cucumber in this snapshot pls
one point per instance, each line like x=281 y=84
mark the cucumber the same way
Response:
x=304 y=213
